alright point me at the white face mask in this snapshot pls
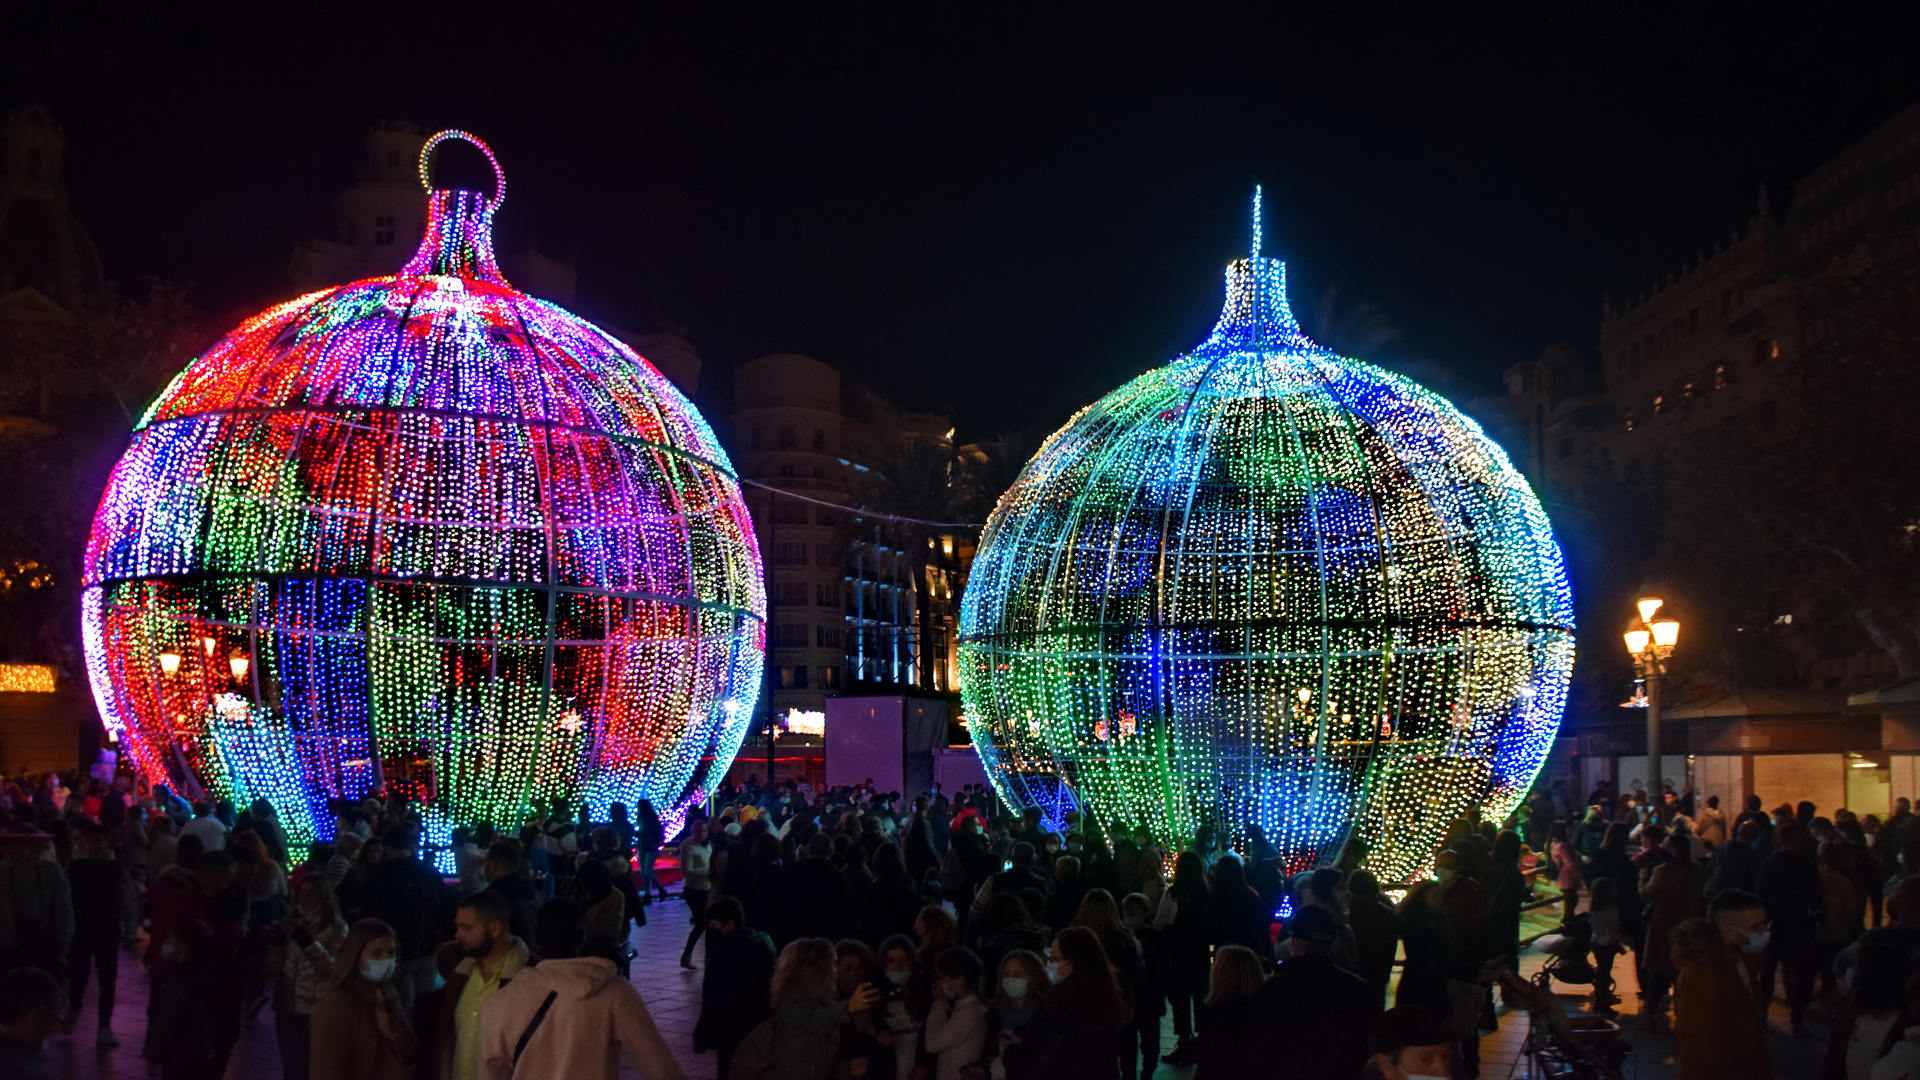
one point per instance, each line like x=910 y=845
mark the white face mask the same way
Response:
x=899 y=978
x=1053 y=971
x=1446 y=875
x=1757 y=943
x=1013 y=986
x=377 y=970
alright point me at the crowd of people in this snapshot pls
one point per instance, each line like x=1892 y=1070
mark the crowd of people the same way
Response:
x=850 y=934
x=1723 y=909
x=847 y=933
x=489 y=956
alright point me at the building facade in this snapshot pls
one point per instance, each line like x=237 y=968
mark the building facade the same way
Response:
x=1731 y=339
x=856 y=603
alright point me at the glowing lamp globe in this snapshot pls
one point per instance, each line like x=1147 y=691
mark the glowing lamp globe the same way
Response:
x=1268 y=585
x=425 y=534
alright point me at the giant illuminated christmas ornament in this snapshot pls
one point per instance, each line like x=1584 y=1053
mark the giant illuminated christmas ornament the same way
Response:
x=1269 y=585
x=425 y=534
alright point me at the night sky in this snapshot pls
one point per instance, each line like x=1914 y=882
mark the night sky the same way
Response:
x=977 y=207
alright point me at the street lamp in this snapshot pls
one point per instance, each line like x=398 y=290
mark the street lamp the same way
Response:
x=1651 y=643
x=169 y=662
x=238 y=662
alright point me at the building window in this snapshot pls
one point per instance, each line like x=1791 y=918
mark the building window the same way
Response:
x=819 y=439
x=823 y=555
x=383 y=230
x=826 y=637
x=826 y=595
x=786 y=471
x=753 y=440
x=791 y=554
x=819 y=473
x=1720 y=377
x=1769 y=415
x=786 y=440
x=789 y=512
x=790 y=594
x=789 y=636
x=1659 y=404
x=393 y=159
x=793 y=678
x=824 y=516
x=1687 y=391
x=1566 y=448
x=1631 y=421
x=1764 y=351
x=829 y=678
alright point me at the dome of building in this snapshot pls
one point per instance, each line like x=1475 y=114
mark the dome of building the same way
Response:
x=425 y=534
x=42 y=246
x=1266 y=585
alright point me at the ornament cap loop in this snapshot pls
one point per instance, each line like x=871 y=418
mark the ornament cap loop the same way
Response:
x=499 y=174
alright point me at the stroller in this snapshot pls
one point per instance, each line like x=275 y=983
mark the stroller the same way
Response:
x=1569 y=950
x=1563 y=1047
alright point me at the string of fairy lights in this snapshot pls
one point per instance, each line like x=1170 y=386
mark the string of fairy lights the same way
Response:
x=1269 y=585
x=426 y=534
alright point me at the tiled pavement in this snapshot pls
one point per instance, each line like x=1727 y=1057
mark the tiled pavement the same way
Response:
x=673 y=996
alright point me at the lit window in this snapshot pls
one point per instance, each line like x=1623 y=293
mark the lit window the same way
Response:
x=819 y=439
x=1659 y=404
x=1630 y=421
x=1720 y=377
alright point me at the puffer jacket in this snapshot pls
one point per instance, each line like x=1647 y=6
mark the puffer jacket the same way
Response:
x=307 y=971
x=596 y=1018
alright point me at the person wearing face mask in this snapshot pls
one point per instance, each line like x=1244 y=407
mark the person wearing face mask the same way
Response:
x=1410 y=1043
x=1719 y=1004
x=904 y=1000
x=957 y=1019
x=1016 y=997
x=315 y=933
x=1075 y=1034
x=360 y=1031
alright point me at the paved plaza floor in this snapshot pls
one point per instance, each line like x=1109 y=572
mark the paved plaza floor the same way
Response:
x=673 y=996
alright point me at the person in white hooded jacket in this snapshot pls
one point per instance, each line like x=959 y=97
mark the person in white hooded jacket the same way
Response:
x=568 y=1015
x=957 y=1023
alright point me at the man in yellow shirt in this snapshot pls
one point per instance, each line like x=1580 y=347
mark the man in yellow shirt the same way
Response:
x=494 y=957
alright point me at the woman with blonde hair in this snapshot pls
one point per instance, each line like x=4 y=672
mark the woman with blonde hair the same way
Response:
x=360 y=1032
x=800 y=1040
x=1221 y=1049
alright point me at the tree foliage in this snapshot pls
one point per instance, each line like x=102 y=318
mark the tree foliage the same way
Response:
x=71 y=387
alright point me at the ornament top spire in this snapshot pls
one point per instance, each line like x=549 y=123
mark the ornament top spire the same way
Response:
x=1256 y=317
x=1255 y=250
x=459 y=234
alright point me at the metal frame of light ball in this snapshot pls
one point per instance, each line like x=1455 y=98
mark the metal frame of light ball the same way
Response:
x=444 y=521
x=1269 y=585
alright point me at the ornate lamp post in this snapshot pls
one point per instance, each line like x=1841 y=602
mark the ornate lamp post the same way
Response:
x=1651 y=641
